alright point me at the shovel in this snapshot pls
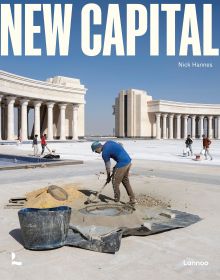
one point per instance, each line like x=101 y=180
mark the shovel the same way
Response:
x=93 y=197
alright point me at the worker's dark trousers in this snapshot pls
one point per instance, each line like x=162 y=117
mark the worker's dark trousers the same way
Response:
x=120 y=175
x=43 y=148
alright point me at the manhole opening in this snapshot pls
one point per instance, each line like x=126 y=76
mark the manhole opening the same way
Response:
x=107 y=210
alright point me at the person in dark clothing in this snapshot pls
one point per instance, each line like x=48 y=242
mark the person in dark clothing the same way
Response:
x=121 y=170
x=206 y=142
x=188 y=143
x=52 y=155
x=35 y=145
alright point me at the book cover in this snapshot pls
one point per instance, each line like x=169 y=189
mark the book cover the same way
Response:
x=141 y=77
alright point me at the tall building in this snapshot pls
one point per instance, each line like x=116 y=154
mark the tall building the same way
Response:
x=138 y=115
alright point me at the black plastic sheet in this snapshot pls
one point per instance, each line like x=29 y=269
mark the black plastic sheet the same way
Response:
x=108 y=239
x=107 y=243
x=44 y=229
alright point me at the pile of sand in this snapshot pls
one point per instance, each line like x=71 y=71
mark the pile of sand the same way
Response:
x=42 y=199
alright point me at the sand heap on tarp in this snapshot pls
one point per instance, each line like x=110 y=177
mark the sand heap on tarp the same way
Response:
x=42 y=199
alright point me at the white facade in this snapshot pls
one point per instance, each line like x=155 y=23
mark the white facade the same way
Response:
x=58 y=106
x=138 y=115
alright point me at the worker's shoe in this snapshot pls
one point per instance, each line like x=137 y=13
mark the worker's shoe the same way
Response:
x=133 y=201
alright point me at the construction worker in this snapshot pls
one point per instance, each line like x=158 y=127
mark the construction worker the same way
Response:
x=121 y=170
x=206 y=143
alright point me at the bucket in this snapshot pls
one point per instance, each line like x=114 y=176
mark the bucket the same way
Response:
x=44 y=229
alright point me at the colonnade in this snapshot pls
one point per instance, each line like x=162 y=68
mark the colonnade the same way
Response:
x=9 y=103
x=169 y=126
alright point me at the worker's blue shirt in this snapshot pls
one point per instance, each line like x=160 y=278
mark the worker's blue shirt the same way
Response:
x=115 y=151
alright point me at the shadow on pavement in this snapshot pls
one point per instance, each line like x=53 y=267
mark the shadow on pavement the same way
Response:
x=16 y=234
x=102 y=197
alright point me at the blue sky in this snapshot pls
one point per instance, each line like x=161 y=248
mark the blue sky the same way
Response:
x=106 y=76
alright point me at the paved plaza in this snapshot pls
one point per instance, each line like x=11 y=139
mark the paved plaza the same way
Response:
x=158 y=170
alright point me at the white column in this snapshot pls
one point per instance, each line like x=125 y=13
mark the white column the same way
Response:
x=1 y=117
x=75 y=121
x=24 y=104
x=37 y=105
x=171 y=126
x=218 y=135
x=164 y=126
x=185 y=126
x=193 y=118
x=158 y=131
x=210 y=126
x=10 y=103
x=201 y=123
x=50 y=120
x=178 y=126
x=62 y=121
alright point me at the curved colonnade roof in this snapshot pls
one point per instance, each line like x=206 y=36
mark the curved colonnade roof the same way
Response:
x=56 y=89
x=164 y=106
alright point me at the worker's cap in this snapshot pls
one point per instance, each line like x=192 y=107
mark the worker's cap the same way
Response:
x=95 y=145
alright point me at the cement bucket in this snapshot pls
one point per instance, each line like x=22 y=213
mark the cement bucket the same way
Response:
x=44 y=229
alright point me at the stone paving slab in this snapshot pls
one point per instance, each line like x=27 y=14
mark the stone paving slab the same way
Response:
x=163 y=256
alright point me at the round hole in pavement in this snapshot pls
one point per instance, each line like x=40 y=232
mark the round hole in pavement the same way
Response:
x=107 y=210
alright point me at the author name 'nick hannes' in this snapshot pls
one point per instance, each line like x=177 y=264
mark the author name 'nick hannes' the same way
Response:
x=191 y=64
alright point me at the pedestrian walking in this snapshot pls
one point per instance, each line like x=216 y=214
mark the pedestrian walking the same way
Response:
x=189 y=143
x=206 y=142
x=44 y=144
x=121 y=170
x=35 y=145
